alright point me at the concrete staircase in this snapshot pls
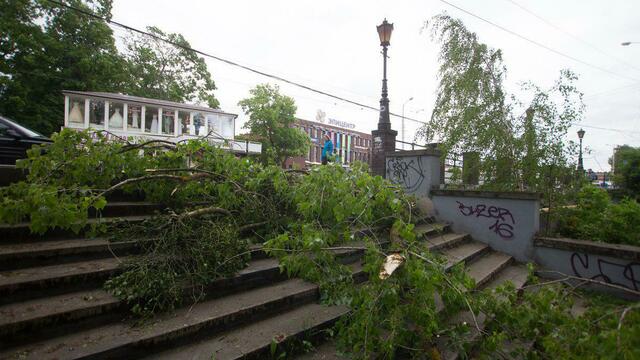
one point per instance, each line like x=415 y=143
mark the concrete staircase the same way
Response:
x=52 y=305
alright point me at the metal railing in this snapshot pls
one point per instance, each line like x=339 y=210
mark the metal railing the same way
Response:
x=413 y=146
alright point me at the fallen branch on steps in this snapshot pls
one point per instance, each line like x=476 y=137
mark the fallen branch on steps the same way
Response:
x=203 y=211
x=130 y=181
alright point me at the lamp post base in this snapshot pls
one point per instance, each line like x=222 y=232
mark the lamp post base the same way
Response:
x=384 y=141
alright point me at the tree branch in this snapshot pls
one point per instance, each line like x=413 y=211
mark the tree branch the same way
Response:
x=204 y=211
x=167 y=144
x=248 y=227
x=153 y=177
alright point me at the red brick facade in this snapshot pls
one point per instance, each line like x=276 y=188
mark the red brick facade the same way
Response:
x=350 y=145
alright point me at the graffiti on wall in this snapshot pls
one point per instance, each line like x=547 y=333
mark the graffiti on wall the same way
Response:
x=406 y=172
x=504 y=222
x=627 y=275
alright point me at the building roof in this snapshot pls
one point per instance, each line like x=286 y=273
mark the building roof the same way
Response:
x=332 y=127
x=143 y=100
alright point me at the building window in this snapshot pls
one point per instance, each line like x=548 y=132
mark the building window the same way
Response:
x=134 y=116
x=116 y=115
x=76 y=113
x=151 y=119
x=184 y=123
x=96 y=113
x=168 y=117
x=198 y=123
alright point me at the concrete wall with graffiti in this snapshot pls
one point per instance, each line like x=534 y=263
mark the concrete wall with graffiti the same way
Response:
x=416 y=170
x=614 y=264
x=504 y=220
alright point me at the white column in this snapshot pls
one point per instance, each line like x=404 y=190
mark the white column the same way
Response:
x=125 y=115
x=205 y=127
x=86 y=113
x=106 y=115
x=143 y=112
x=176 y=132
x=66 y=110
x=160 y=121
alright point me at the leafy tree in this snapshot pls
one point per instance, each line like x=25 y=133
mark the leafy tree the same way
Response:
x=44 y=49
x=271 y=116
x=519 y=148
x=626 y=164
x=164 y=71
x=470 y=113
x=595 y=217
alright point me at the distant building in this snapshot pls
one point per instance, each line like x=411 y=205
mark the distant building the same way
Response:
x=139 y=118
x=349 y=145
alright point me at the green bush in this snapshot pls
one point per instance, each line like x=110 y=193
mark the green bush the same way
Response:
x=595 y=217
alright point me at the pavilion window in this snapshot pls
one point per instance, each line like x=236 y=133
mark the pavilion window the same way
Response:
x=184 y=123
x=134 y=117
x=116 y=116
x=96 y=113
x=198 y=121
x=76 y=110
x=168 y=121
x=151 y=122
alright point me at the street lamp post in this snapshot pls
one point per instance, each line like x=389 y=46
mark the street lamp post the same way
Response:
x=384 y=138
x=402 y=127
x=580 y=164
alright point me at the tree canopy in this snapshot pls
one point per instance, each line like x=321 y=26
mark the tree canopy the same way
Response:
x=45 y=49
x=165 y=71
x=626 y=165
x=521 y=142
x=271 y=116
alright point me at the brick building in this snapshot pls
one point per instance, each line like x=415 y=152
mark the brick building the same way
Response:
x=349 y=145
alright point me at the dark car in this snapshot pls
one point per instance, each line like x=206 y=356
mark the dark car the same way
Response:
x=15 y=140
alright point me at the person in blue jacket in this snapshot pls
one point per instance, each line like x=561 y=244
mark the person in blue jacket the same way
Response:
x=327 y=149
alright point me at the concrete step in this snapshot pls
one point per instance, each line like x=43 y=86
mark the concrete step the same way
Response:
x=465 y=252
x=516 y=274
x=254 y=341
x=122 y=340
x=21 y=232
x=431 y=229
x=483 y=273
x=326 y=351
x=444 y=241
x=424 y=219
x=33 y=315
x=16 y=285
x=488 y=266
x=40 y=253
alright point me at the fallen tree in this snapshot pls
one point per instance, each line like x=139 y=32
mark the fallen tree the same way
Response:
x=221 y=205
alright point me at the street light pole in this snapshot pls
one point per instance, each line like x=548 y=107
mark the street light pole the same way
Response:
x=384 y=31
x=402 y=127
x=384 y=138
x=580 y=164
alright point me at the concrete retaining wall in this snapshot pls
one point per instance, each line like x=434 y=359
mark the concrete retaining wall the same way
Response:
x=507 y=221
x=609 y=263
x=417 y=171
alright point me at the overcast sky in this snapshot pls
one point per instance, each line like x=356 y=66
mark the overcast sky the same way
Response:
x=333 y=46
